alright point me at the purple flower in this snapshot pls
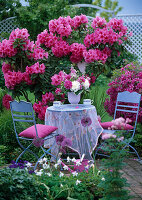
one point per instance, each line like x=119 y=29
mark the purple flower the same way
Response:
x=38 y=142
x=66 y=142
x=86 y=121
x=59 y=139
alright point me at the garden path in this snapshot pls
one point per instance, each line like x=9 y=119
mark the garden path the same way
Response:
x=133 y=173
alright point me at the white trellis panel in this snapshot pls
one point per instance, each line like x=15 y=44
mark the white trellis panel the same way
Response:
x=7 y=25
x=134 y=24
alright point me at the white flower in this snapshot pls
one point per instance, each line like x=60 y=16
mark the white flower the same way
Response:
x=38 y=173
x=28 y=164
x=103 y=179
x=98 y=172
x=65 y=167
x=56 y=165
x=68 y=159
x=49 y=174
x=44 y=159
x=61 y=174
x=41 y=170
x=86 y=84
x=87 y=167
x=82 y=157
x=74 y=173
x=40 y=161
x=78 y=163
x=75 y=86
x=45 y=166
x=78 y=181
x=73 y=160
x=59 y=162
x=61 y=185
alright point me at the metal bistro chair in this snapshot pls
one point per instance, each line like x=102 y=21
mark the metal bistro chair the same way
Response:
x=127 y=103
x=23 y=112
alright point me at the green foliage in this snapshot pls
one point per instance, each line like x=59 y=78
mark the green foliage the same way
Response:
x=65 y=187
x=137 y=142
x=37 y=15
x=2 y=154
x=8 y=8
x=17 y=184
x=2 y=93
x=98 y=95
x=108 y=5
x=113 y=184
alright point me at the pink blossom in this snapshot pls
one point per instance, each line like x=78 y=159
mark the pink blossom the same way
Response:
x=68 y=84
x=5 y=101
x=58 y=91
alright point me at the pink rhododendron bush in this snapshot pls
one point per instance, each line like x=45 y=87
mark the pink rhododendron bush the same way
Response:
x=128 y=78
x=29 y=65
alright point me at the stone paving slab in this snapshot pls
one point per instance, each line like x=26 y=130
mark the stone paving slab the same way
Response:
x=133 y=173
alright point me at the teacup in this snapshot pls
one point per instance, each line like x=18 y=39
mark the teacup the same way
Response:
x=87 y=101
x=57 y=103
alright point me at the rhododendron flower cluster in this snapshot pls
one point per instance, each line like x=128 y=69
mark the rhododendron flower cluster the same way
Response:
x=41 y=106
x=128 y=78
x=5 y=101
x=70 y=82
x=16 y=73
x=97 y=45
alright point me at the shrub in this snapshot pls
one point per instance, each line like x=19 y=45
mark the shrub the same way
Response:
x=18 y=184
x=128 y=78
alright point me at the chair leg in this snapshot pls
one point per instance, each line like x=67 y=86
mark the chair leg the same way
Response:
x=45 y=152
x=96 y=152
x=26 y=149
x=135 y=151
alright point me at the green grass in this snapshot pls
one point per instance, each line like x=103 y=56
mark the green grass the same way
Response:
x=98 y=95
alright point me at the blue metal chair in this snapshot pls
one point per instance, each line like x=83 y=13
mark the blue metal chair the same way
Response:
x=23 y=112
x=126 y=103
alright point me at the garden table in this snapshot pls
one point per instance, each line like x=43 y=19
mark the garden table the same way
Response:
x=77 y=122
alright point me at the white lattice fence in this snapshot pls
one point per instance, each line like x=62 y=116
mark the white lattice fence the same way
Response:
x=7 y=25
x=134 y=24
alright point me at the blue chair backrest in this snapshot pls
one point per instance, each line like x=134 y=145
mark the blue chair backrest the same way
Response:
x=22 y=112
x=132 y=100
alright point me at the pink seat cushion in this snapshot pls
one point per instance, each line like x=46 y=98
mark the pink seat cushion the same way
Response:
x=43 y=131
x=106 y=125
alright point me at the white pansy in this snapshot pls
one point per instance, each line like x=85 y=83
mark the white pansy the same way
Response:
x=86 y=84
x=28 y=164
x=78 y=181
x=75 y=86
x=65 y=167
x=41 y=170
x=61 y=174
x=68 y=159
x=74 y=173
x=38 y=173
x=45 y=166
x=103 y=179
x=73 y=160
x=61 y=185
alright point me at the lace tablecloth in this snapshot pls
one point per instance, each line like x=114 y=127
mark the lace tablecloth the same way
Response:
x=78 y=123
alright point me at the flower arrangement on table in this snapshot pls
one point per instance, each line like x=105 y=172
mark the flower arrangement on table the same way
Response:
x=71 y=82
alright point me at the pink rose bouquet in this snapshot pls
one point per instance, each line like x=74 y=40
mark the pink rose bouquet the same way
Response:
x=71 y=82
